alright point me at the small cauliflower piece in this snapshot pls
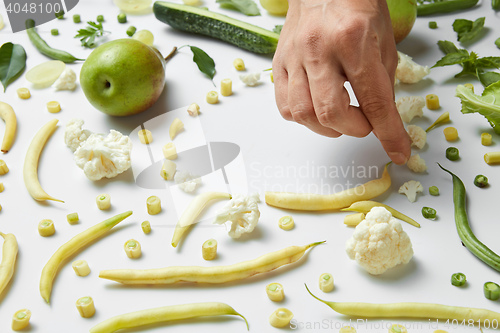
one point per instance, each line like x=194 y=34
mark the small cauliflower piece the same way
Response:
x=240 y=214
x=74 y=135
x=409 y=71
x=379 y=242
x=410 y=107
x=417 y=135
x=251 y=79
x=416 y=164
x=186 y=181
x=410 y=189
x=104 y=156
x=66 y=81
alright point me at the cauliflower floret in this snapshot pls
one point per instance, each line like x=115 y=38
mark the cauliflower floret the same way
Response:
x=74 y=135
x=251 y=79
x=379 y=242
x=410 y=107
x=66 y=81
x=104 y=156
x=409 y=71
x=416 y=164
x=410 y=189
x=240 y=214
x=187 y=181
x=417 y=135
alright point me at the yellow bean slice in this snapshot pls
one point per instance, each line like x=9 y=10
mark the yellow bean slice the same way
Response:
x=326 y=282
x=85 y=306
x=396 y=328
x=132 y=249
x=353 y=220
x=72 y=218
x=3 y=167
x=347 y=329
x=81 y=267
x=146 y=227
x=286 y=223
x=281 y=318
x=71 y=248
x=450 y=133
x=492 y=158
x=209 y=249
x=8 y=115
x=212 y=97
x=23 y=93
x=314 y=202
x=103 y=201
x=275 y=292
x=21 y=319
x=193 y=110
x=53 y=107
x=169 y=151
x=226 y=87
x=153 y=204
x=145 y=136
x=163 y=315
x=46 y=228
x=213 y=274
x=238 y=64
x=176 y=126
x=486 y=139
x=30 y=169
x=2 y=187
x=432 y=101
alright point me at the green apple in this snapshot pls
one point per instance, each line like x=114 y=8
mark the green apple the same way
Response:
x=403 y=14
x=123 y=77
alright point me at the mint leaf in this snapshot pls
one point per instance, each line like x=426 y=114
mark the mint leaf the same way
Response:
x=205 y=64
x=247 y=7
x=488 y=78
x=447 y=47
x=488 y=62
x=467 y=30
x=12 y=63
x=454 y=58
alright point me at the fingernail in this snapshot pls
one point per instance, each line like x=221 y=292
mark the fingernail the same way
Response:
x=398 y=158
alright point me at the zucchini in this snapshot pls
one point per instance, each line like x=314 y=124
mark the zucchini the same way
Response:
x=225 y=28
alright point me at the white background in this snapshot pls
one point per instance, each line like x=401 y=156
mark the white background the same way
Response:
x=272 y=150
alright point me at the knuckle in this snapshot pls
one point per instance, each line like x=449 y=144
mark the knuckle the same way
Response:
x=326 y=116
x=285 y=113
x=301 y=113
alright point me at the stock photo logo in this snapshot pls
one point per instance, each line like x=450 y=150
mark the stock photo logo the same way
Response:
x=41 y=11
x=219 y=165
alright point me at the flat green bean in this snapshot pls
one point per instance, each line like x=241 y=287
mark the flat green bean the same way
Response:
x=445 y=6
x=44 y=48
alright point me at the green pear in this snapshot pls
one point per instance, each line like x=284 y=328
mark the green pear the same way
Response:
x=123 y=77
x=403 y=15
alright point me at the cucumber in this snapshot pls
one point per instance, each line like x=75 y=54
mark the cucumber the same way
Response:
x=202 y=21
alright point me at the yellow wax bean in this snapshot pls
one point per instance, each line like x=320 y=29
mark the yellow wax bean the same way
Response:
x=366 y=206
x=353 y=220
x=492 y=158
x=9 y=257
x=8 y=115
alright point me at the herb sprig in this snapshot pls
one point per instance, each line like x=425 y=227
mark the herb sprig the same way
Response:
x=89 y=34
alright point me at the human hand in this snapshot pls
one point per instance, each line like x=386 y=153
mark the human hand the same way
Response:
x=324 y=43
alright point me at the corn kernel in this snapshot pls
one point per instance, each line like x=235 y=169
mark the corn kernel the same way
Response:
x=72 y=218
x=239 y=64
x=146 y=227
x=470 y=86
x=81 y=267
x=132 y=249
x=145 y=136
x=85 y=306
x=23 y=93
x=103 y=201
x=53 y=107
x=432 y=101
x=193 y=110
x=168 y=170
x=226 y=87
x=286 y=223
x=212 y=97
x=169 y=151
x=450 y=133
x=275 y=292
x=486 y=139
x=3 y=167
x=21 y=319
x=354 y=219
x=153 y=204
x=209 y=249
x=326 y=282
x=46 y=228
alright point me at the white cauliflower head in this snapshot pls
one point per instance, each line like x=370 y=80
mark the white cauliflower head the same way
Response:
x=250 y=79
x=104 y=156
x=74 y=135
x=409 y=71
x=66 y=81
x=417 y=135
x=410 y=107
x=240 y=214
x=187 y=181
x=410 y=189
x=379 y=242
x=416 y=164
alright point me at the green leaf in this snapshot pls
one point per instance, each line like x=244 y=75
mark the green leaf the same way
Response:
x=12 y=63
x=277 y=28
x=89 y=34
x=497 y=43
x=488 y=78
x=488 y=62
x=488 y=104
x=467 y=30
x=205 y=64
x=454 y=58
x=447 y=47
x=247 y=7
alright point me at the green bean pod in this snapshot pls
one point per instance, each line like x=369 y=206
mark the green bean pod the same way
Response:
x=44 y=48
x=446 y=6
x=464 y=231
x=163 y=315
x=411 y=310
